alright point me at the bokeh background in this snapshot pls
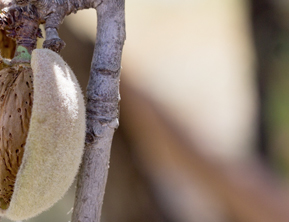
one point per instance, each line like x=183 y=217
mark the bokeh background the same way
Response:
x=204 y=121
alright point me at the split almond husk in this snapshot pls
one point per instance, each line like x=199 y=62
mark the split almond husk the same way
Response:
x=42 y=138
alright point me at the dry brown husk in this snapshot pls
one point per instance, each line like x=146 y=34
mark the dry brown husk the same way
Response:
x=16 y=99
x=7 y=45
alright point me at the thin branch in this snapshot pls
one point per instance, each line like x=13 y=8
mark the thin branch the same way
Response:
x=102 y=110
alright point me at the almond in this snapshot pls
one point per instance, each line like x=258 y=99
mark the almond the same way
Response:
x=42 y=139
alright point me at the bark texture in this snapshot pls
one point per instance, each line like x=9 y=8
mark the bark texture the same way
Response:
x=52 y=14
x=102 y=110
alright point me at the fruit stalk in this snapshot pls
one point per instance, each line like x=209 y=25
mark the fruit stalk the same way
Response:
x=22 y=25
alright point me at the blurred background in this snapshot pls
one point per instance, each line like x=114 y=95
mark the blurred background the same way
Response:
x=204 y=121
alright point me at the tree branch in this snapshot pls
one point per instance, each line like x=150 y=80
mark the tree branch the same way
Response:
x=102 y=110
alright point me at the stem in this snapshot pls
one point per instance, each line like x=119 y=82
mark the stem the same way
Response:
x=102 y=111
x=22 y=55
x=22 y=25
